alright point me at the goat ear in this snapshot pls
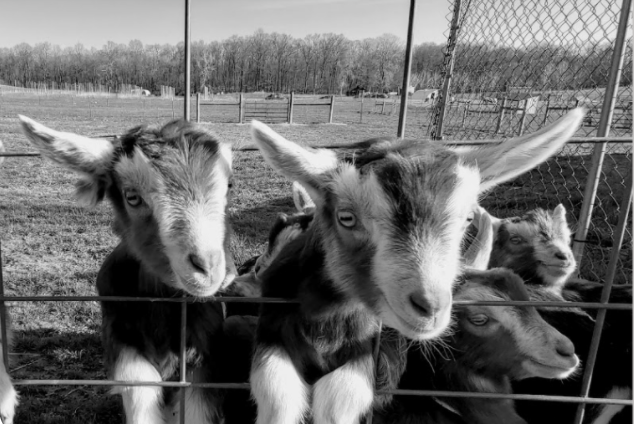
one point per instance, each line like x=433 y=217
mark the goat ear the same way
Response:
x=513 y=157
x=307 y=166
x=87 y=156
x=560 y=213
x=303 y=202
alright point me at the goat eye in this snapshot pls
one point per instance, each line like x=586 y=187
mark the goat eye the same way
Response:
x=470 y=217
x=346 y=219
x=516 y=239
x=230 y=185
x=479 y=319
x=133 y=198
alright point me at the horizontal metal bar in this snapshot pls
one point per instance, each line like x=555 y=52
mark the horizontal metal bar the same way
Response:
x=311 y=104
x=399 y=392
x=129 y=383
x=574 y=140
x=234 y=299
x=219 y=104
x=479 y=395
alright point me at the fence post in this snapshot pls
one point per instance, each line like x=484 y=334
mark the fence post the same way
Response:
x=500 y=116
x=611 y=92
x=464 y=114
x=291 y=100
x=332 y=108
x=383 y=107
x=619 y=234
x=402 y=118
x=197 y=107
x=361 y=113
x=523 y=119
x=546 y=114
x=451 y=47
x=241 y=109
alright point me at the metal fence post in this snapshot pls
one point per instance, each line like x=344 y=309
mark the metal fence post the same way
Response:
x=407 y=71
x=598 y=153
x=186 y=99
x=183 y=360
x=451 y=49
x=605 y=297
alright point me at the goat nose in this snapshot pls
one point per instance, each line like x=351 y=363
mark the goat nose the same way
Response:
x=565 y=348
x=421 y=305
x=561 y=255
x=199 y=264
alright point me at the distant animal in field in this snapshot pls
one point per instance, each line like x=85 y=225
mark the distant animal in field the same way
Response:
x=384 y=245
x=490 y=347
x=170 y=189
x=490 y=100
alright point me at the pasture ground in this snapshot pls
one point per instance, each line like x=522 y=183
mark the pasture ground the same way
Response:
x=51 y=246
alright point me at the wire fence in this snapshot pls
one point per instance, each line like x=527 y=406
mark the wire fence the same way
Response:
x=511 y=67
x=609 y=262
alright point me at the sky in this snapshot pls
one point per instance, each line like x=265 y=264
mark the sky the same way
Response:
x=94 y=22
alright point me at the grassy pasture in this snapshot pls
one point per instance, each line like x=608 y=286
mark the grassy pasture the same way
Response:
x=50 y=246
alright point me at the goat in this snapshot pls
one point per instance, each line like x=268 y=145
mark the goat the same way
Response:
x=491 y=346
x=384 y=246
x=536 y=246
x=612 y=376
x=170 y=190
x=542 y=236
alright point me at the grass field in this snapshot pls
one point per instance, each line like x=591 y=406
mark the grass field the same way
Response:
x=50 y=246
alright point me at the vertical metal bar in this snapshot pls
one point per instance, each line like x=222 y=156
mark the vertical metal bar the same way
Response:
x=406 y=73
x=451 y=49
x=598 y=153
x=605 y=297
x=183 y=360
x=361 y=110
x=3 y=320
x=186 y=98
x=375 y=356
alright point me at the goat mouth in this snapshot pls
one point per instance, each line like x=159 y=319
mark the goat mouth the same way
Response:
x=565 y=265
x=559 y=371
x=418 y=332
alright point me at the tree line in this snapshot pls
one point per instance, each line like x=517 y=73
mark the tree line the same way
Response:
x=318 y=63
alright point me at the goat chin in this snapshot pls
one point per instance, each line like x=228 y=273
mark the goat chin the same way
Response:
x=532 y=368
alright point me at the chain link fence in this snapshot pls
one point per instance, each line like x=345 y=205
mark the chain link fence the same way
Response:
x=513 y=67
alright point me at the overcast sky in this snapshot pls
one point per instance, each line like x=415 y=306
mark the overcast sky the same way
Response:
x=94 y=22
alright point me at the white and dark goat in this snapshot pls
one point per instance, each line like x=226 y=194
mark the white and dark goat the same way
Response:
x=384 y=247
x=170 y=189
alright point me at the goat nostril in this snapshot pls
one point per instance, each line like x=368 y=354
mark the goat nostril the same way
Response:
x=561 y=256
x=198 y=263
x=420 y=304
